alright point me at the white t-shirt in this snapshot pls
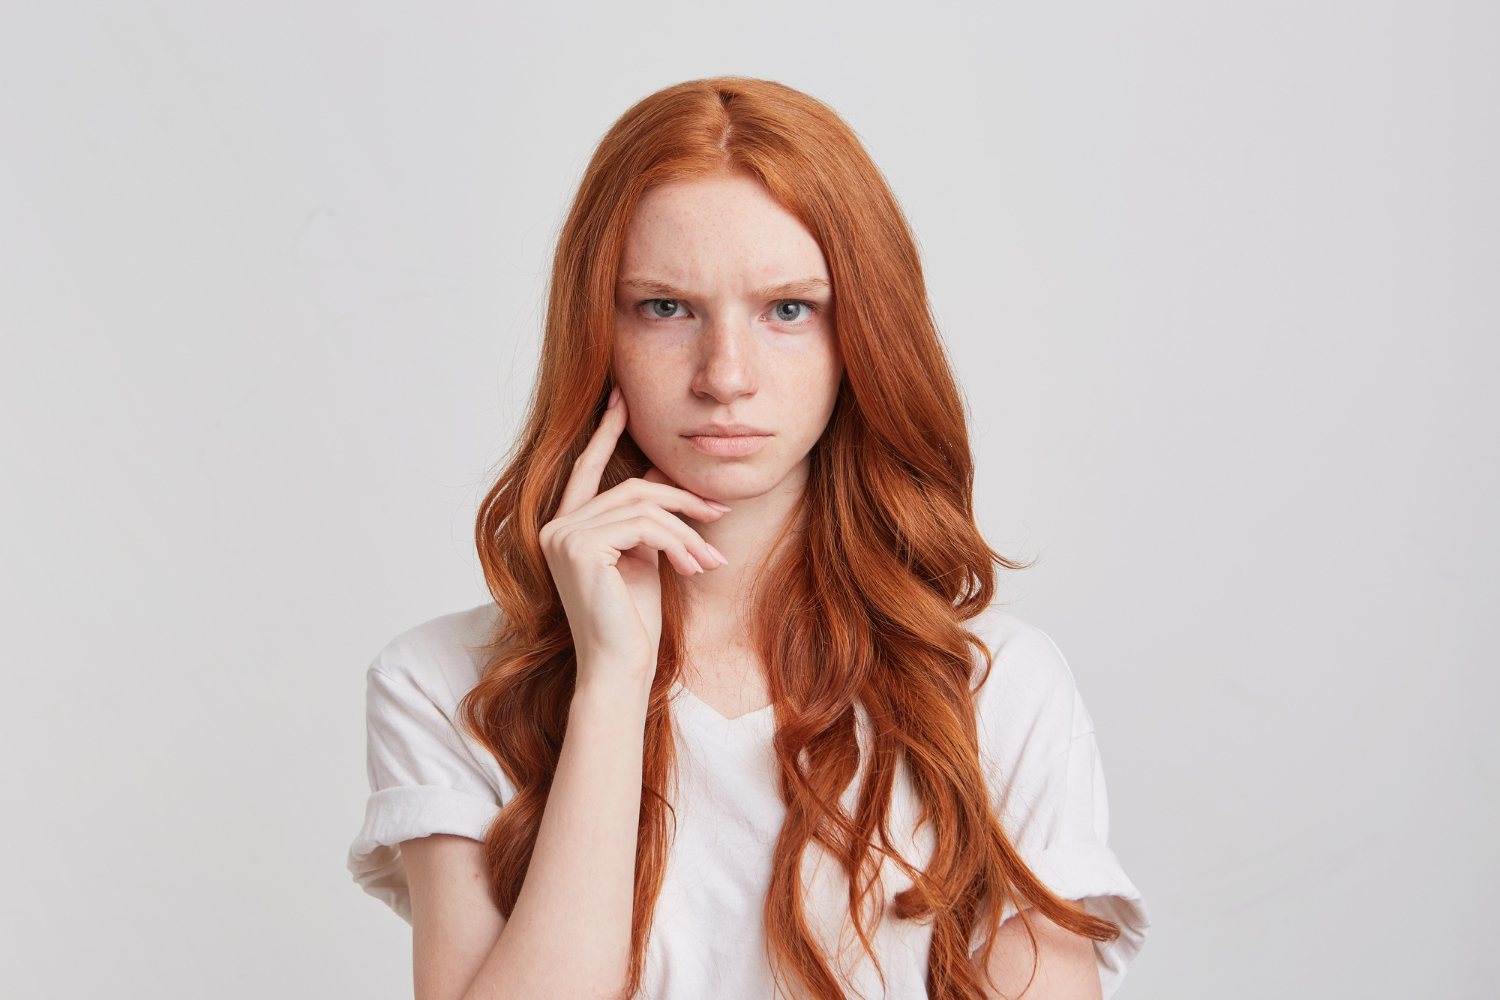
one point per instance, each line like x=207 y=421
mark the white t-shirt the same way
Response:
x=707 y=938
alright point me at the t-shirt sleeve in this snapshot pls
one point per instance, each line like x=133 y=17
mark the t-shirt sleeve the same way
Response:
x=1042 y=761
x=426 y=777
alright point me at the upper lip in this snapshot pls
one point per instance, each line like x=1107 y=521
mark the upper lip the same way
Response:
x=724 y=430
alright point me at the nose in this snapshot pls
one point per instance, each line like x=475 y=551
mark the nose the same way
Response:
x=726 y=361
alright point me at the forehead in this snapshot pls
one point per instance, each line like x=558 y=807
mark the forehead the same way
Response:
x=718 y=228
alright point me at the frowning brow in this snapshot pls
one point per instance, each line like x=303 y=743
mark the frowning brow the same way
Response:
x=792 y=289
x=655 y=288
x=782 y=290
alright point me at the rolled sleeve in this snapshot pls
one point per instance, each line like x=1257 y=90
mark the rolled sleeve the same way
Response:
x=426 y=777
x=1042 y=761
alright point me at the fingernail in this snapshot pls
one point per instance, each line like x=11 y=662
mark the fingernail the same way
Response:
x=718 y=555
x=696 y=564
x=716 y=505
x=614 y=397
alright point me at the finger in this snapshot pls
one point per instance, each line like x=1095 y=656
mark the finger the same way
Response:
x=635 y=532
x=706 y=555
x=655 y=475
x=583 y=482
x=633 y=491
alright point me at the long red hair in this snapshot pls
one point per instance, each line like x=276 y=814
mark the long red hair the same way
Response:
x=866 y=602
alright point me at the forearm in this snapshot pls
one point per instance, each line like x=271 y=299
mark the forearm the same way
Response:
x=568 y=935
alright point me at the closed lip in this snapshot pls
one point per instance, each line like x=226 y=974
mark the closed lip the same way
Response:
x=725 y=430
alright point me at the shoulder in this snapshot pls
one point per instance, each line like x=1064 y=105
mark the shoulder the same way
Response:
x=443 y=658
x=1028 y=694
x=1024 y=661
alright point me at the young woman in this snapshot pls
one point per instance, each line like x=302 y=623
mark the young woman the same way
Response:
x=741 y=720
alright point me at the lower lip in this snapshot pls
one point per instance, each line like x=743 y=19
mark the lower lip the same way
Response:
x=737 y=446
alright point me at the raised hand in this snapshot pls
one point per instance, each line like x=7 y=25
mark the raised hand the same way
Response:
x=602 y=549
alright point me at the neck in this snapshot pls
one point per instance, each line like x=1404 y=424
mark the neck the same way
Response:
x=720 y=665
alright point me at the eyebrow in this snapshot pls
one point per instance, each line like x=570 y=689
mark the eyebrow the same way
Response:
x=790 y=289
x=784 y=290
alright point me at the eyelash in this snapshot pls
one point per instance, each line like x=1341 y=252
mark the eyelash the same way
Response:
x=809 y=306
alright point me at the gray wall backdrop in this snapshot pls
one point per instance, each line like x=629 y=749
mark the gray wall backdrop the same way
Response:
x=1220 y=280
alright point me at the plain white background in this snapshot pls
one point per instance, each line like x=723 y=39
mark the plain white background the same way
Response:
x=1220 y=280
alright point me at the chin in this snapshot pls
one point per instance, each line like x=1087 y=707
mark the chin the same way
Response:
x=726 y=481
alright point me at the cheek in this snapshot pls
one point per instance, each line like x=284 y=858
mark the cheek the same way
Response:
x=808 y=383
x=651 y=377
x=813 y=369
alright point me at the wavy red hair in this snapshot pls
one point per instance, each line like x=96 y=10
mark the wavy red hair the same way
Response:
x=866 y=602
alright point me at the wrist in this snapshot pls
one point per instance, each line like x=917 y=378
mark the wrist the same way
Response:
x=612 y=689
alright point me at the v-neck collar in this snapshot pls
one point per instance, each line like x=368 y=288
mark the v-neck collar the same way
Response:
x=760 y=718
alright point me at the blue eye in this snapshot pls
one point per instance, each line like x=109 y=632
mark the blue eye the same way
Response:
x=664 y=308
x=789 y=312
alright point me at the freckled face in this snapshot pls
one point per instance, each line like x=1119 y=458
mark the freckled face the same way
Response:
x=724 y=343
